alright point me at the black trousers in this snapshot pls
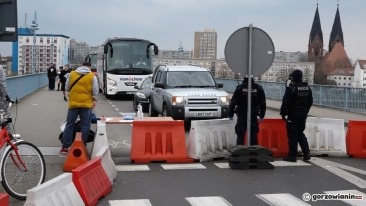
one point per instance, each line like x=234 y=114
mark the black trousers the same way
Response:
x=241 y=128
x=295 y=134
x=51 y=83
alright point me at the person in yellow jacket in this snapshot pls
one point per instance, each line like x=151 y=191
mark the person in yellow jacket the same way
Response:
x=82 y=86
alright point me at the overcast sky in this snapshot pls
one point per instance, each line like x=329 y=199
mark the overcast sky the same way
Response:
x=171 y=22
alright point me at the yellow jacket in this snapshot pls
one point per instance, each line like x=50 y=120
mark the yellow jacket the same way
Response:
x=81 y=96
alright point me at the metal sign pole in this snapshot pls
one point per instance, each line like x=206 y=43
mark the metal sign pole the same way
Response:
x=249 y=112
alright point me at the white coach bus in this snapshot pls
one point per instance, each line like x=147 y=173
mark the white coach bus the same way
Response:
x=123 y=63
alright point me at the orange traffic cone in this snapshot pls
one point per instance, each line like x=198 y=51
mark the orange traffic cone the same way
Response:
x=77 y=155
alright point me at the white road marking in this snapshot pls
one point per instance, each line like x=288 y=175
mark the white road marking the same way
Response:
x=114 y=144
x=222 y=165
x=182 y=166
x=360 y=202
x=52 y=151
x=282 y=199
x=128 y=168
x=208 y=201
x=281 y=163
x=138 y=202
x=335 y=169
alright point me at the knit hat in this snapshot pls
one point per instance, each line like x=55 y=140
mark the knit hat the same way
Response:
x=297 y=75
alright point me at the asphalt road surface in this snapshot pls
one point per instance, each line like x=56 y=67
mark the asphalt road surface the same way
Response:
x=199 y=183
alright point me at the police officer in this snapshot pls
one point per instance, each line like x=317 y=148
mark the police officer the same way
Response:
x=296 y=104
x=239 y=105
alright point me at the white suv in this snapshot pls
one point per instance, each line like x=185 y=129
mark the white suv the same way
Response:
x=186 y=93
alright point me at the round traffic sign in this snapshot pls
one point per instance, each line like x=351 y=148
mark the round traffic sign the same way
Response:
x=237 y=51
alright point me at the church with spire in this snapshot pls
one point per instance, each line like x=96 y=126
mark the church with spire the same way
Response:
x=334 y=62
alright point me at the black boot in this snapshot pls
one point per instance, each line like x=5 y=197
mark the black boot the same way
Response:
x=65 y=99
x=290 y=159
x=306 y=158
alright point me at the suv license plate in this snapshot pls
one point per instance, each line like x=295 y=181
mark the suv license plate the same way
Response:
x=203 y=114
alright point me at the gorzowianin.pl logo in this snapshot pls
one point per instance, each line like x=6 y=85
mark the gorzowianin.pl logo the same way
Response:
x=315 y=197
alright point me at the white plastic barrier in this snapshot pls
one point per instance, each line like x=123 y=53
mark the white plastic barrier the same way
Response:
x=210 y=139
x=326 y=136
x=58 y=191
x=107 y=163
x=100 y=139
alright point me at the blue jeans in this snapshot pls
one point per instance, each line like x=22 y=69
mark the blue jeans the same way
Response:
x=72 y=114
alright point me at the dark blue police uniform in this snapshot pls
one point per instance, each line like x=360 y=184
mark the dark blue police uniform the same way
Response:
x=296 y=104
x=239 y=105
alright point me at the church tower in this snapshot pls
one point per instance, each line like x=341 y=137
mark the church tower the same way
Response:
x=336 y=34
x=315 y=47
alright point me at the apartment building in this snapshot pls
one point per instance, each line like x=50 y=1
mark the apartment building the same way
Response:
x=34 y=53
x=79 y=50
x=280 y=71
x=175 y=54
x=205 y=44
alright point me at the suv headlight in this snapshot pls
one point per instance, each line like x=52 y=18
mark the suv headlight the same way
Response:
x=140 y=95
x=177 y=100
x=111 y=82
x=223 y=101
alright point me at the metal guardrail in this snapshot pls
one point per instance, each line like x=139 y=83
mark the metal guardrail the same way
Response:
x=23 y=85
x=343 y=98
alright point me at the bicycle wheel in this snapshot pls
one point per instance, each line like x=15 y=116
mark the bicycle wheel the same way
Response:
x=17 y=180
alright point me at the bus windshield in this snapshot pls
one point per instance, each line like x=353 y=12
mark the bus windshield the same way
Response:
x=93 y=60
x=129 y=57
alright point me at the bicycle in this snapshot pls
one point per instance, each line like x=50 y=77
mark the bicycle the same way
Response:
x=22 y=164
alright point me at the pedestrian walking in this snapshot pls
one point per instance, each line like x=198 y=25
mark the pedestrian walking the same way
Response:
x=58 y=79
x=63 y=75
x=296 y=104
x=82 y=86
x=239 y=105
x=51 y=74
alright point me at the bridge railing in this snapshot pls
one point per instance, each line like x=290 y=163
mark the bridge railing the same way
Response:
x=344 y=98
x=23 y=85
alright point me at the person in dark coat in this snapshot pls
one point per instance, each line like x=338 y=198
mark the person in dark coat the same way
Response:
x=239 y=105
x=51 y=74
x=296 y=104
x=63 y=75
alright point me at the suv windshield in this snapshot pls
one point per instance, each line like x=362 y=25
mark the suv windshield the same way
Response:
x=146 y=83
x=190 y=79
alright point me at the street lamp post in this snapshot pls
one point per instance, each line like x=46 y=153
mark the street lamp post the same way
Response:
x=34 y=26
x=34 y=58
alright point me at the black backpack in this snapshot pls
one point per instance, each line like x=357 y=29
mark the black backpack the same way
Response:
x=77 y=128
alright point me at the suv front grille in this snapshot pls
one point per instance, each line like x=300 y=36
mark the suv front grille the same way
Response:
x=193 y=101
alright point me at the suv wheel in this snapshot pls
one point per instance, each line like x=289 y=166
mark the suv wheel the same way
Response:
x=187 y=125
x=165 y=112
x=152 y=111
x=134 y=104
